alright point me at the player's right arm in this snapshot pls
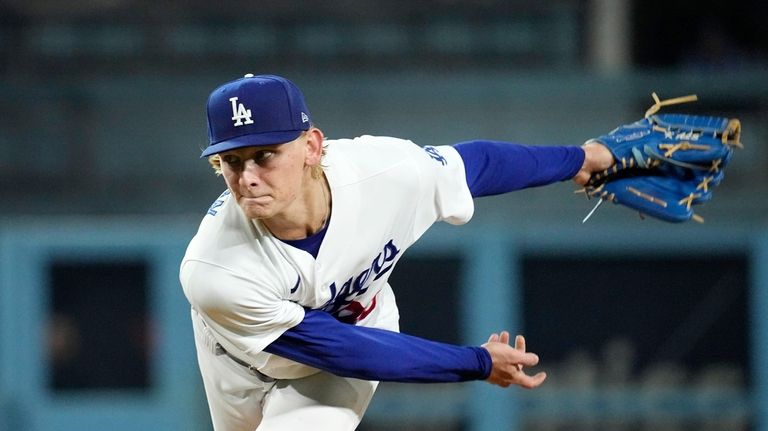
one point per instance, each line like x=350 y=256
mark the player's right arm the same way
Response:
x=376 y=354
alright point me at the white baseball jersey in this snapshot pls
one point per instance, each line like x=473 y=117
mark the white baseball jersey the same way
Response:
x=249 y=287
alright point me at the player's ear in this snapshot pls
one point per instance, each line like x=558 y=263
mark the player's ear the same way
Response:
x=315 y=140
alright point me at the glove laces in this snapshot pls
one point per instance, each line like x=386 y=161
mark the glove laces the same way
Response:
x=666 y=102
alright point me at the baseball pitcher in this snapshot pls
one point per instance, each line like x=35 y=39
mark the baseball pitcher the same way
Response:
x=294 y=320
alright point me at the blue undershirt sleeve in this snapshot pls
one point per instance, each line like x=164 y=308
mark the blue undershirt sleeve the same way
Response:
x=494 y=167
x=364 y=353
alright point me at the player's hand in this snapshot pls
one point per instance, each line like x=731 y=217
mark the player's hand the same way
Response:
x=597 y=158
x=509 y=362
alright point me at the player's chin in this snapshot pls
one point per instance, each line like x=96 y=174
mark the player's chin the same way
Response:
x=256 y=210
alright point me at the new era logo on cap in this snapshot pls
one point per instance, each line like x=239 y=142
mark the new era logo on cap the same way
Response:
x=255 y=110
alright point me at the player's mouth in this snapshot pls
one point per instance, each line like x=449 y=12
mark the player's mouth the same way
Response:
x=255 y=200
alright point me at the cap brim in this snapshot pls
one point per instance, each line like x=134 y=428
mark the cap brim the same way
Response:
x=252 y=140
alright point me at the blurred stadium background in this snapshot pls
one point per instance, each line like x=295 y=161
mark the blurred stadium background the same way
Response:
x=641 y=325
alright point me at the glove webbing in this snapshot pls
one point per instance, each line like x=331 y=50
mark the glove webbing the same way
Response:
x=674 y=101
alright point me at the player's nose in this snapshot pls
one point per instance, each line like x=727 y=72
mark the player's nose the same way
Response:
x=250 y=174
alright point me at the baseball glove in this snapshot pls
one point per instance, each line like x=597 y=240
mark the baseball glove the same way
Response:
x=665 y=163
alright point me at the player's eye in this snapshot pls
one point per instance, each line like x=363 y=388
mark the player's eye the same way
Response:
x=230 y=159
x=262 y=156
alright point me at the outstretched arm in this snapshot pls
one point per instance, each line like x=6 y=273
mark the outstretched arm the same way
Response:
x=499 y=167
x=494 y=167
x=376 y=354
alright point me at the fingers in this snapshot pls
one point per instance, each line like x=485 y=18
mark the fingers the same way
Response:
x=499 y=338
x=530 y=382
x=509 y=362
x=504 y=337
x=519 y=355
x=520 y=343
x=528 y=359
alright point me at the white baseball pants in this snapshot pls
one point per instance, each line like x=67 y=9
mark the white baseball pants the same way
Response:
x=241 y=401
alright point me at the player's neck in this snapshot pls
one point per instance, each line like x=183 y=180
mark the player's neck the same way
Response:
x=308 y=215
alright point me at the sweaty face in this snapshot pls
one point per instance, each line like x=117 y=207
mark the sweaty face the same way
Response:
x=266 y=180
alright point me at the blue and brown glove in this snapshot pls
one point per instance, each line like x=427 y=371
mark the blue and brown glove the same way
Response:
x=666 y=163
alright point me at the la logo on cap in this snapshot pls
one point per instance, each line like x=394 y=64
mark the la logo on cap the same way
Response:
x=240 y=115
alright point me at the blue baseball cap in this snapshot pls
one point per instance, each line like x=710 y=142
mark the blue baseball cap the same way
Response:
x=255 y=110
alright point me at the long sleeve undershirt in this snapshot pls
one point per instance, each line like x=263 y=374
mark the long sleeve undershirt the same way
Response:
x=346 y=350
x=494 y=167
